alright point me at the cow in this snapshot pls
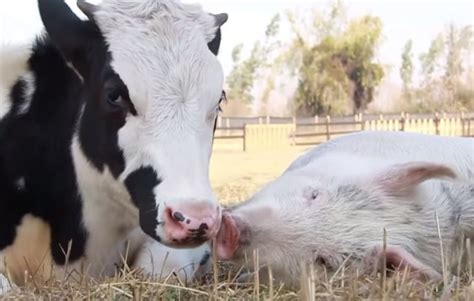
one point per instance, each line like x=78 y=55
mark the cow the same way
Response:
x=106 y=126
x=331 y=207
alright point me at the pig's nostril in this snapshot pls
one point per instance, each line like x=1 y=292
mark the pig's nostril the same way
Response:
x=203 y=227
x=179 y=217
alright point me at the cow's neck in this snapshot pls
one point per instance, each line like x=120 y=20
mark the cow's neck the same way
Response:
x=108 y=212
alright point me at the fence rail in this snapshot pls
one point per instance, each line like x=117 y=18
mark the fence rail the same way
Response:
x=287 y=131
x=226 y=122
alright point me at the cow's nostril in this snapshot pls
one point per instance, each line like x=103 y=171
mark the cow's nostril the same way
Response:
x=194 y=223
x=178 y=216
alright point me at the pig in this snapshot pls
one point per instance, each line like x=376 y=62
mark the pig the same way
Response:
x=332 y=205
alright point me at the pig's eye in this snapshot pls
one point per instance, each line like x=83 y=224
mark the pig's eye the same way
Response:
x=323 y=262
x=312 y=194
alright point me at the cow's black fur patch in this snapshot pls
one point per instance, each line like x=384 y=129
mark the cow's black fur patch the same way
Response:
x=140 y=185
x=35 y=147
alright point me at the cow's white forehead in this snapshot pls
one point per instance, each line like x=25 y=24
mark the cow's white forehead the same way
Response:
x=152 y=13
x=159 y=48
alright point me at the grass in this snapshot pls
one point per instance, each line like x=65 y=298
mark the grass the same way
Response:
x=236 y=176
x=346 y=286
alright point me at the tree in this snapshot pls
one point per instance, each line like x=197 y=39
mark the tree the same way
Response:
x=430 y=60
x=242 y=78
x=447 y=85
x=333 y=60
x=457 y=42
x=360 y=42
x=406 y=69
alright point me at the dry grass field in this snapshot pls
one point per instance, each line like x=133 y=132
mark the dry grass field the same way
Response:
x=235 y=176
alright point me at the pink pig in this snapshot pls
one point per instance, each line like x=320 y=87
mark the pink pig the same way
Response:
x=335 y=201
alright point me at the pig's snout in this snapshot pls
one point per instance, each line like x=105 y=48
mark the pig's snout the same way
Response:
x=228 y=238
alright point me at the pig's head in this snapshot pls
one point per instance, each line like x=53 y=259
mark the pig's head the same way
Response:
x=310 y=218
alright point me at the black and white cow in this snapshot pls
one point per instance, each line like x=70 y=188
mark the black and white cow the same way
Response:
x=107 y=124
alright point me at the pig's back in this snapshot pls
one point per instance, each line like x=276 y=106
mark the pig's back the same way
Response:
x=457 y=153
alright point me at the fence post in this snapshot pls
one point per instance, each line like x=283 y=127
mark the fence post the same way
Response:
x=402 y=122
x=268 y=119
x=293 y=134
x=436 y=122
x=227 y=122
x=328 y=133
x=244 y=144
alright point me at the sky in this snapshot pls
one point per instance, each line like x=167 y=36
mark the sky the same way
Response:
x=419 y=20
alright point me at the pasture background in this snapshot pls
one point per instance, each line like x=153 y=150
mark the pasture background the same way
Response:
x=275 y=133
x=236 y=175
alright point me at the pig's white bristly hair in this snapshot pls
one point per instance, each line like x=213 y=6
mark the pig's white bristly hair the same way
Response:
x=297 y=226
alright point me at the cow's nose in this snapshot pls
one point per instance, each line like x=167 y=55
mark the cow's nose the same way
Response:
x=191 y=224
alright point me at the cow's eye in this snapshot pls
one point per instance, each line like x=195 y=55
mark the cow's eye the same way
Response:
x=221 y=100
x=114 y=98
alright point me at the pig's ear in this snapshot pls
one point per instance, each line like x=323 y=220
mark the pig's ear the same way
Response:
x=401 y=179
x=397 y=258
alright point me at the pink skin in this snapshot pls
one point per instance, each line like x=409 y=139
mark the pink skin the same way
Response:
x=196 y=222
x=401 y=259
x=229 y=244
x=234 y=235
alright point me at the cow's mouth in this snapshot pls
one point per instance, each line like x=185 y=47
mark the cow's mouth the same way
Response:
x=184 y=231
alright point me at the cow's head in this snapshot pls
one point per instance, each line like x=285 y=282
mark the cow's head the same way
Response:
x=152 y=86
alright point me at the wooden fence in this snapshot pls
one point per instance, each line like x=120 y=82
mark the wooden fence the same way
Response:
x=270 y=136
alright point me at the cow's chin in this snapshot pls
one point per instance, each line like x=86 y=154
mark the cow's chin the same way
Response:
x=185 y=244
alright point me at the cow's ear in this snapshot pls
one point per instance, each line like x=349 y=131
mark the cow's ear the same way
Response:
x=87 y=8
x=397 y=258
x=215 y=44
x=401 y=179
x=68 y=32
